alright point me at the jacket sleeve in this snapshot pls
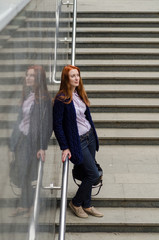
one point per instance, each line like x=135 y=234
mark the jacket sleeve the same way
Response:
x=46 y=125
x=58 y=118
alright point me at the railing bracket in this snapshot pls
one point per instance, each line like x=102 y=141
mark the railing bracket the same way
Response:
x=51 y=187
x=68 y=3
x=65 y=40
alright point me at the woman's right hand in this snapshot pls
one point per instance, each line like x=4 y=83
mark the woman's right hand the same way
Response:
x=65 y=153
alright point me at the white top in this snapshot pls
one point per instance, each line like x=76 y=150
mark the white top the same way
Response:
x=25 y=123
x=80 y=107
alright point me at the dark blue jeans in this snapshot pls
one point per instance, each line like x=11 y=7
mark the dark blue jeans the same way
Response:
x=83 y=195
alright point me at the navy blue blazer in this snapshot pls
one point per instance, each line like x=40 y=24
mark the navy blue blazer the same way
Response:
x=66 y=131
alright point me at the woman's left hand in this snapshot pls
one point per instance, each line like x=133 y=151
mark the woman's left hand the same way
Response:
x=41 y=153
x=66 y=153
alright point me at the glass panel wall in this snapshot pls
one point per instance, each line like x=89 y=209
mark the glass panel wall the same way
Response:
x=27 y=88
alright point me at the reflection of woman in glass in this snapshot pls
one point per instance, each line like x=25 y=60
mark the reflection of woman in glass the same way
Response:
x=31 y=134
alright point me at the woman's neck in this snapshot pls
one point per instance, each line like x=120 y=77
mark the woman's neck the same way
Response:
x=73 y=89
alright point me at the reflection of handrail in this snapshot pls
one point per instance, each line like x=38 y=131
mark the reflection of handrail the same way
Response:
x=33 y=223
x=66 y=163
x=58 y=10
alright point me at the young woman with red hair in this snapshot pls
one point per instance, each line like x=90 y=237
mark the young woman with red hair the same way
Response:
x=30 y=135
x=76 y=135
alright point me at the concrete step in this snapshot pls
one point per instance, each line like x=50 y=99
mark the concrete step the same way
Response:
x=128 y=133
x=93 y=65
x=95 y=22
x=30 y=13
x=125 y=117
x=125 y=120
x=118 y=62
x=89 y=236
x=17 y=78
x=118 y=20
x=90 y=63
x=130 y=177
x=116 y=24
x=112 y=54
x=114 y=133
x=8 y=116
x=88 y=42
x=95 y=75
x=119 y=75
x=102 y=102
x=112 y=236
x=103 y=93
x=20 y=224
x=98 y=20
x=103 y=120
x=116 y=42
x=9 y=30
x=116 y=51
x=97 y=13
x=115 y=136
x=22 y=235
x=30 y=50
x=115 y=220
x=123 y=102
x=87 y=32
x=95 y=30
x=14 y=78
x=92 y=88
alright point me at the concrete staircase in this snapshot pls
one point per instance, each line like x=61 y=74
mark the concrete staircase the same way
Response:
x=118 y=54
x=118 y=57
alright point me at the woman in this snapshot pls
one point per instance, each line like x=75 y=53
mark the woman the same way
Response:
x=76 y=134
x=31 y=134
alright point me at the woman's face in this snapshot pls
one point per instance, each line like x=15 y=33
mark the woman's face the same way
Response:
x=74 y=78
x=30 y=78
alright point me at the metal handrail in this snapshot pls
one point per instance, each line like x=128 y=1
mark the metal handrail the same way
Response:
x=58 y=10
x=33 y=223
x=62 y=224
x=74 y=32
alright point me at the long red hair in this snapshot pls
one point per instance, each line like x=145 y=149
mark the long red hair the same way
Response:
x=65 y=93
x=40 y=84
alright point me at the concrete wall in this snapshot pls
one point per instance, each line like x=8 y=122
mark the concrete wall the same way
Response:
x=9 y=9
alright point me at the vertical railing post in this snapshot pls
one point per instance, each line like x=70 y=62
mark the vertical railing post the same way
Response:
x=74 y=32
x=62 y=225
x=33 y=223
